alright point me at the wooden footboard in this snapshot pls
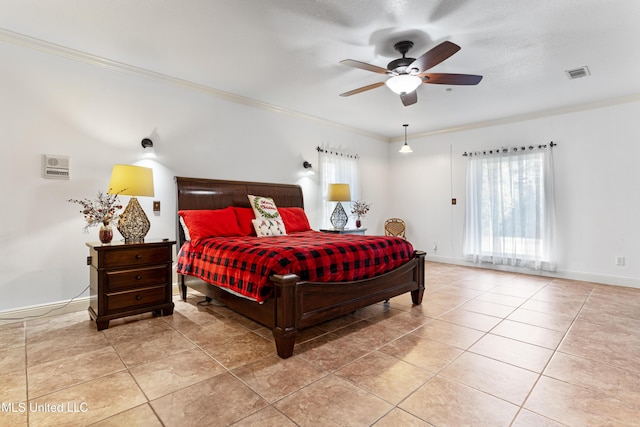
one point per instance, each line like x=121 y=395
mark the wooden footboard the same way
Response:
x=297 y=304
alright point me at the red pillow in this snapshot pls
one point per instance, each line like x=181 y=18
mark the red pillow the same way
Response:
x=210 y=223
x=294 y=219
x=245 y=217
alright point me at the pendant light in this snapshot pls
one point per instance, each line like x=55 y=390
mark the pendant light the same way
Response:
x=405 y=148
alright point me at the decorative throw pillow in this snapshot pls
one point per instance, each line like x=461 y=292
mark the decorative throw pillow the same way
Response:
x=264 y=207
x=269 y=227
x=245 y=217
x=294 y=219
x=210 y=223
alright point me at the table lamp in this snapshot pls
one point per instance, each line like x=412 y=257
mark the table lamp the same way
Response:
x=339 y=193
x=128 y=180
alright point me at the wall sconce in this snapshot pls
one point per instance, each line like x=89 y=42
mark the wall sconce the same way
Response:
x=307 y=165
x=147 y=146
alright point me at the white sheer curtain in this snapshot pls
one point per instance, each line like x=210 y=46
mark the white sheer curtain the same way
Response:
x=337 y=168
x=510 y=209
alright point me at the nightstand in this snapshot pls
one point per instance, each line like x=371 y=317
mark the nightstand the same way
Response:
x=129 y=278
x=360 y=231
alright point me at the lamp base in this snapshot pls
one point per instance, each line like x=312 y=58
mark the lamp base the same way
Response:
x=339 y=217
x=133 y=223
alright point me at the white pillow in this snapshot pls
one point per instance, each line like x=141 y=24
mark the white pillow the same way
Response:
x=269 y=227
x=264 y=207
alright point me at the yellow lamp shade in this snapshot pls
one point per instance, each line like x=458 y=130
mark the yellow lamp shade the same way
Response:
x=129 y=180
x=338 y=193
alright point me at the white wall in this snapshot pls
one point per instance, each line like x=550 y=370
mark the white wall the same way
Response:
x=597 y=188
x=98 y=116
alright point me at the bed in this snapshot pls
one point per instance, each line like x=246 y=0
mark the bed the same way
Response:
x=293 y=304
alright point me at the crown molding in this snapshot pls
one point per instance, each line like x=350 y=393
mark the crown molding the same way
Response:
x=98 y=61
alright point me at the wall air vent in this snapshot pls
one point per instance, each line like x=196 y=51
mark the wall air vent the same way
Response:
x=56 y=167
x=576 y=73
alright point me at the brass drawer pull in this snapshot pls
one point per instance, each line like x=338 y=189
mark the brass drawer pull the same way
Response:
x=138 y=297
x=138 y=256
x=138 y=277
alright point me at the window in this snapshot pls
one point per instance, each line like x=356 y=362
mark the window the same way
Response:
x=510 y=212
x=337 y=168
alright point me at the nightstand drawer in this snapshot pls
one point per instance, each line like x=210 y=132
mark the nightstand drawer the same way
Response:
x=135 y=298
x=136 y=256
x=136 y=278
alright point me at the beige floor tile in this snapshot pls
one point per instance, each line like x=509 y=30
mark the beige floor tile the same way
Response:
x=14 y=416
x=558 y=308
x=217 y=401
x=517 y=291
x=450 y=334
x=559 y=323
x=329 y=352
x=140 y=416
x=239 y=350
x=597 y=376
x=422 y=352
x=620 y=323
x=385 y=376
x=518 y=353
x=577 y=406
x=271 y=377
x=46 y=325
x=445 y=402
x=12 y=359
x=529 y=419
x=496 y=378
x=12 y=335
x=531 y=334
x=136 y=330
x=470 y=319
x=88 y=402
x=177 y=371
x=498 y=298
x=267 y=417
x=159 y=345
x=333 y=401
x=399 y=418
x=488 y=308
x=51 y=376
x=13 y=387
x=64 y=346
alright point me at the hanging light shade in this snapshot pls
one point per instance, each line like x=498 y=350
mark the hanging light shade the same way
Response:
x=405 y=148
x=404 y=83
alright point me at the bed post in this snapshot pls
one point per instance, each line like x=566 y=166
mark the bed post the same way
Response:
x=416 y=296
x=284 y=322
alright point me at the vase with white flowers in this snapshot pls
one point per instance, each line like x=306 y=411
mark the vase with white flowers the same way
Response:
x=101 y=211
x=359 y=209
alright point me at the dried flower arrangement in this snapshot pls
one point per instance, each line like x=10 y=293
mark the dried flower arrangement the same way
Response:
x=359 y=208
x=102 y=210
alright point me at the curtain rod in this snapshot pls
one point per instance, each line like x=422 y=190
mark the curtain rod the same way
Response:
x=337 y=153
x=506 y=150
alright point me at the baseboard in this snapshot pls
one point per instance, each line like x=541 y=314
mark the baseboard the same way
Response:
x=44 y=310
x=52 y=309
x=628 y=282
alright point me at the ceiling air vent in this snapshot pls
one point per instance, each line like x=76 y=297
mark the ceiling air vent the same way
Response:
x=576 y=73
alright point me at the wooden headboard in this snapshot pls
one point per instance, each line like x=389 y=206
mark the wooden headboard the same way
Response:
x=200 y=193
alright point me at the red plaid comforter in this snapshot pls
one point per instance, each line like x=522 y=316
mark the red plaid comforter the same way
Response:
x=243 y=264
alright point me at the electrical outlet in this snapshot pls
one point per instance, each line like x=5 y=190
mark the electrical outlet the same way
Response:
x=620 y=261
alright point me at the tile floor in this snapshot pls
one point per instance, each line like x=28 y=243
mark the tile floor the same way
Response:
x=484 y=348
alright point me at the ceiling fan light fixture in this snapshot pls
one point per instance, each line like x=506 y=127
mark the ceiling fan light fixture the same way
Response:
x=403 y=83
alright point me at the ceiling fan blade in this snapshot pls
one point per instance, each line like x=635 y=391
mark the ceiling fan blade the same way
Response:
x=364 y=66
x=434 y=56
x=362 y=89
x=450 y=79
x=409 y=98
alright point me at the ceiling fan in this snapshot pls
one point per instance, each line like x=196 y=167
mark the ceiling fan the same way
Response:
x=406 y=74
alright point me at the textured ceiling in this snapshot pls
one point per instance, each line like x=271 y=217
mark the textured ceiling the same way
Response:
x=286 y=53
